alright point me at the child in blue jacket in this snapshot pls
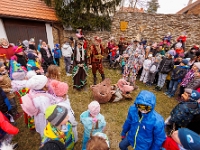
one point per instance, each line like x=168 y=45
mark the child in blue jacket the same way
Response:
x=57 y=54
x=92 y=121
x=144 y=127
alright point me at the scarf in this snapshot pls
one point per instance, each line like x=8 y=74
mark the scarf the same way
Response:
x=47 y=51
x=78 y=55
x=5 y=46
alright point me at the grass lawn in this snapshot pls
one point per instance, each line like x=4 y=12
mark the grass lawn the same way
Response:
x=115 y=113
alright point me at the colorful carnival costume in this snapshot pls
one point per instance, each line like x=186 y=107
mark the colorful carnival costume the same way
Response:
x=134 y=64
x=96 y=55
x=80 y=69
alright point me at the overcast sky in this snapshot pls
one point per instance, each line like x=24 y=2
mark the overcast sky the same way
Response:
x=166 y=6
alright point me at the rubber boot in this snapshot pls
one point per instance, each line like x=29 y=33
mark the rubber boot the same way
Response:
x=103 y=76
x=95 y=79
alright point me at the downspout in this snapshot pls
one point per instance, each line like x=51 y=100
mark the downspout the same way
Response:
x=59 y=40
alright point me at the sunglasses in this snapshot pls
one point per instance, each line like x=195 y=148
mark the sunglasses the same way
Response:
x=143 y=107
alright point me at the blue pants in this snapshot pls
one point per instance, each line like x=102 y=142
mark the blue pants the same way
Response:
x=85 y=140
x=124 y=144
x=172 y=87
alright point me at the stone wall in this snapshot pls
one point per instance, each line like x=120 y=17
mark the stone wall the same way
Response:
x=150 y=26
x=154 y=26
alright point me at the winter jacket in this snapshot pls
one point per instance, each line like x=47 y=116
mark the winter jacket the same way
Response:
x=57 y=53
x=145 y=132
x=45 y=58
x=194 y=84
x=52 y=133
x=86 y=120
x=166 y=65
x=67 y=50
x=31 y=63
x=8 y=52
x=5 y=105
x=179 y=72
x=6 y=127
x=147 y=63
x=5 y=84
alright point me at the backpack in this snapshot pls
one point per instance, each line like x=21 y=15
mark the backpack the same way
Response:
x=28 y=105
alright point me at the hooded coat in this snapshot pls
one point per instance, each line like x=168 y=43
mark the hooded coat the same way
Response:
x=147 y=132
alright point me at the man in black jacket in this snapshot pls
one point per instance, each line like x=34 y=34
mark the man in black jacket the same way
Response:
x=166 y=65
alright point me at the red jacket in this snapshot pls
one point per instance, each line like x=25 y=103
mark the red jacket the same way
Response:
x=9 y=52
x=6 y=126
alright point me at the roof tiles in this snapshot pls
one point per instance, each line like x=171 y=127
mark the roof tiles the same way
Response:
x=27 y=9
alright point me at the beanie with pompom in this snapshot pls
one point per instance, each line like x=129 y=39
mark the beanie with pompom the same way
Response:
x=59 y=88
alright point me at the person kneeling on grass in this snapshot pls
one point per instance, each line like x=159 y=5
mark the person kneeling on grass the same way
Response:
x=58 y=127
x=144 y=127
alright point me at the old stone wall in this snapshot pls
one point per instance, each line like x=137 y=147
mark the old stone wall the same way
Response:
x=154 y=26
x=150 y=26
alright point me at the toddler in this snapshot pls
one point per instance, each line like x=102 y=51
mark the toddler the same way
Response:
x=146 y=66
x=58 y=127
x=53 y=73
x=60 y=90
x=92 y=121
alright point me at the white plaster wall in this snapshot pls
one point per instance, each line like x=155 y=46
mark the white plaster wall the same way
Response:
x=49 y=35
x=2 y=30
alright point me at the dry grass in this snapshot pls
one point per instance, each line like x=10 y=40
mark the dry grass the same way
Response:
x=115 y=113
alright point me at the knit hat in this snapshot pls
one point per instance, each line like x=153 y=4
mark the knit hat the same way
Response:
x=32 y=40
x=37 y=82
x=34 y=68
x=195 y=95
x=59 y=88
x=189 y=139
x=94 y=108
x=25 y=43
x=55 y=114
x=188 y=90
x=17 y=49
x=30 y=74
x=53 y=145
x=57 y=45
x=172 y=52
x=185 y=61
x=31 y=56
x=197 y=64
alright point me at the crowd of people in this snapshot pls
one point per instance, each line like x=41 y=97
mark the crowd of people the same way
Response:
x=35 y=76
